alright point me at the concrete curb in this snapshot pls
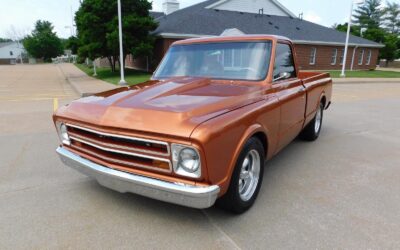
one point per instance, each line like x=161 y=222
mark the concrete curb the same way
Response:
x=74 y=87
x=365 y=80
x=83 y=84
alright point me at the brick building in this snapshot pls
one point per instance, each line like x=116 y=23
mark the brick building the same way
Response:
x=317 y=47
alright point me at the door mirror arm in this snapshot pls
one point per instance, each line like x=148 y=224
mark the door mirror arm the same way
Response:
x=282 y=76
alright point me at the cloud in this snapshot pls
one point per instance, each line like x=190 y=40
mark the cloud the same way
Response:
x=312 y=17
x=157 y=4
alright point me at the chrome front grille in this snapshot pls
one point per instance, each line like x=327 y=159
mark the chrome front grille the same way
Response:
x=120 y=149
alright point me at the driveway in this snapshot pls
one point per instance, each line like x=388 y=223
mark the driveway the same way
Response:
x=342 y=191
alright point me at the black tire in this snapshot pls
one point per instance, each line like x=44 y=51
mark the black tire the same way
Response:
x=311 y=132
x=233 y=200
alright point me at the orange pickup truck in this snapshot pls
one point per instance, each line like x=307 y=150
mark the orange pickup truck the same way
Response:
x=201 y=129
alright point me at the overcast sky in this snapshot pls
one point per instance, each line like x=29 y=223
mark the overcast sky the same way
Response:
x=18 y=16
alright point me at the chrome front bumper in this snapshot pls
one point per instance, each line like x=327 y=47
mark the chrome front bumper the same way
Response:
x=177 y=193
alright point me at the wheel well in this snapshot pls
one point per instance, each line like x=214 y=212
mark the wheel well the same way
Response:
x=263 y=138
x=323 y=100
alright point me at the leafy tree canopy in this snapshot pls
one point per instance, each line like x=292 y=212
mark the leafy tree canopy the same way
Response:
x=72 y=43
x=43 y=42
x=369 y=15
x=354 y=30
x=4 y=40
x=391 y=17
x=97 y=24
x=380 y=24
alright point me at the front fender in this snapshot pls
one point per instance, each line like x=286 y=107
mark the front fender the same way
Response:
x=223 y=138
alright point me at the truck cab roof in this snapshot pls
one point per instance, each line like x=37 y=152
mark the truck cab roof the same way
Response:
x=232 y=38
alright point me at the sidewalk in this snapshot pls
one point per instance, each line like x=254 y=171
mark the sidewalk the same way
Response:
x=365 y=80
x=388 y=69
x=82 y=83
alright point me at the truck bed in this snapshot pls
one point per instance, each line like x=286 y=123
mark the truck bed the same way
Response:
x=308 y=76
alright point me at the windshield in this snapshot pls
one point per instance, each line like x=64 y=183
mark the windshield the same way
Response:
x=225 y=60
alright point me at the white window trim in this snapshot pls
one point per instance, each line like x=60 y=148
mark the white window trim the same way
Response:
x=341 y=58
x=361 y=59
x=369 y=55
x=334 y=57
x=313 y=56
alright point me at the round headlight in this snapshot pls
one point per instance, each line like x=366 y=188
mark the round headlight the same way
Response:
x=63 y=134
x=189 y=160
x=63 y=131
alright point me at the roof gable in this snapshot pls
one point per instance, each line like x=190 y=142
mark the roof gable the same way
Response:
x=199 y=21
x=270 y=7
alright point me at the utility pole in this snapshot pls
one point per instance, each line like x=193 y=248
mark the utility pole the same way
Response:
x=346 y=47
x=122 y=82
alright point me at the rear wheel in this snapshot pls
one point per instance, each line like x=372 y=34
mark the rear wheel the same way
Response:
x=246 y=178
x=313 y=129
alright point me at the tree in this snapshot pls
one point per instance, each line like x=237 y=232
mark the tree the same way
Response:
x=97 y=24
x=392 y=17
x=4 y=40
x=72 y=43
x=391 y=49
x=369 y=15
x=43 y=42
x=354 y=30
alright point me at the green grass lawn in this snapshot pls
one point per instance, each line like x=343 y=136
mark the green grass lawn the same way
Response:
x=366 y=74
x=131 y=76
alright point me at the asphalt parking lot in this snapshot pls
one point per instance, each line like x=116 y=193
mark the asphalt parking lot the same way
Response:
x=342 y=191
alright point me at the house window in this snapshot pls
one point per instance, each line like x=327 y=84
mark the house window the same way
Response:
x=233 y=58
x=237 y=58
x=228 y=54
x=369 y=57
x=341 y=57
x=334 y=56
x=11 y=53
x=361 y=57
x=313 y=55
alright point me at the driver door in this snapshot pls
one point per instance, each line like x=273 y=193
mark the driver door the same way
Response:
x=291 y=95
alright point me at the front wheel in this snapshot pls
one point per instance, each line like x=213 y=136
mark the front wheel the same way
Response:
x=246 y=178
x=313 y=129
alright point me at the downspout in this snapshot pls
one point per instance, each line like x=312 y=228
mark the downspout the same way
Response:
x=352 y=59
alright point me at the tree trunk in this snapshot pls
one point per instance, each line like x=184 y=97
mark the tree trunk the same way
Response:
x=111 y=63
x=114 y=69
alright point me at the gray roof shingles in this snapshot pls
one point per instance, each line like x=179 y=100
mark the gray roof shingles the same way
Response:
x=198 y=20
x=156 y=14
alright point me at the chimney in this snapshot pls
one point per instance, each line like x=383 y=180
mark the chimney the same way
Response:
x=170 y=6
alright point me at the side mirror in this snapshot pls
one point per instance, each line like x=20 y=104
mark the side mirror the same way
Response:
x=282 y=76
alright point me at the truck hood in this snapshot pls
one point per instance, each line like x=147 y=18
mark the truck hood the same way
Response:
x=173 y=107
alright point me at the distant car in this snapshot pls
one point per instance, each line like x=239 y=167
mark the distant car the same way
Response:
x=201 y=129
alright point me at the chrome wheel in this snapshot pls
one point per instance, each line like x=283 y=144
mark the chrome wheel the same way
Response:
x=318 y=120
x=249 y=175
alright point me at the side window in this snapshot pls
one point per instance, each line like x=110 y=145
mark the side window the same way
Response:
x=284 y=62
x=11 y=53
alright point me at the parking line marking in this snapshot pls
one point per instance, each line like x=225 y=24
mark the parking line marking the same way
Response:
x=55 y=104
x=224 y=235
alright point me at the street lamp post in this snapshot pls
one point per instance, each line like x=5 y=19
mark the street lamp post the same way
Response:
x=348 y=36
x=122 y=82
